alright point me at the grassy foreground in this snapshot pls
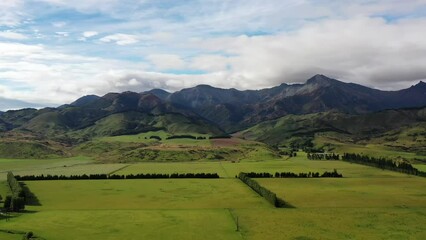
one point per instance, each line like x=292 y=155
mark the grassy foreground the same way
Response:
x=368 y=203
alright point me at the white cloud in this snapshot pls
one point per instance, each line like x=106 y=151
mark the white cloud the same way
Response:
x=10 y=12
x=12 y=35
x=59 y=24
x=121 y=39
x=368 y=51
x=166 y=61
x=62 y=34
x=210 y=63
x=89 y=34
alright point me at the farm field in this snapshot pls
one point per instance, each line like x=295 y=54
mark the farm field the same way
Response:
x=368 y=203
x=39 y=165
x=131 y=209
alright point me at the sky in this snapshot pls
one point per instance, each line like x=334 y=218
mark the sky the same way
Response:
x=55 y=51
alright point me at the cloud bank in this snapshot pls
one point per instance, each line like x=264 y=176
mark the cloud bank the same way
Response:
x=112 y=46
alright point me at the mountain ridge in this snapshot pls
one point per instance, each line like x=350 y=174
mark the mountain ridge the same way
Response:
x=218 y=110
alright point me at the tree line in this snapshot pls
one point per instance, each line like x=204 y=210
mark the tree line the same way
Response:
x=326 y=174
x=382 y=163
x=115 y=176
x=186 y=136
x=16 y=201
x=323 y=156
x=270 y=196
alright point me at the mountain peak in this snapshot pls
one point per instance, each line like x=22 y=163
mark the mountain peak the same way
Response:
x=84 y=100
x=421 y=84
x=160 y=93
x=320 y=80
x=205 y=86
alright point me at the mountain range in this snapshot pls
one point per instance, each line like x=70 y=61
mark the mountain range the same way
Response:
x=204 y=109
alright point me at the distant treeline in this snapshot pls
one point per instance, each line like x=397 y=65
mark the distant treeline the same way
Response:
x=220 y=136
x=262 y=191
x=333 y=174
x=115 y=176
x=323 y=156
x=155 y=137
x=16 y=201
x=186 y=136
x=383 y=163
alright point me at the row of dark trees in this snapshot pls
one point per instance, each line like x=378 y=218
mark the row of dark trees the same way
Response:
x=382 y=163
x=187 y=136
x=333 y=174
x=16 y=201
x=262 y=191
x=155 y=137
x=114 y=176
x=323 y=156
x=220 y=136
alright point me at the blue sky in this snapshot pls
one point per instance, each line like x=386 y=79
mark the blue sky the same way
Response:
x=54 y=51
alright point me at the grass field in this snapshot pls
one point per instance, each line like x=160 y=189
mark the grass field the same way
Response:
x=38 y=165
x=368 y=203
x=421 y=167
x=137 y=209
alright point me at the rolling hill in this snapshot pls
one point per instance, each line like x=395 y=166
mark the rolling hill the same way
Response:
x=402 y=129
x=279 y=115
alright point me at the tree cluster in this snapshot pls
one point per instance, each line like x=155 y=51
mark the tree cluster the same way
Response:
x=262 y=191
x=181 y=136
x=173 y=175
x=323 y=156
x=114 y=176
x=16 y=201
x=220 y=136
x=382 y=163
x=326 y=174
x=186 y=136
x=155 y=137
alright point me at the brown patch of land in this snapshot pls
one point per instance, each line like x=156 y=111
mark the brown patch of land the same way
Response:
x=225 y=142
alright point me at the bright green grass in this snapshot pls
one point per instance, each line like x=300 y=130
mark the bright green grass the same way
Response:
x=350 y=192
x=302 y=164
x=141 y=137
x=421 y=167
x=333 y=223
x=143 y=194
x=4 y=190
x=9 y=236
x=175 y=167
x=375 y=150
x=347 y=208
x=145 y=138
x=137 y=209
x=209 y=224
x=38 y=164
x=368 y=203
x=74 y=170
x=230 y=169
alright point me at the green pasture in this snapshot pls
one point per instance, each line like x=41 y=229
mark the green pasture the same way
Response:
x=145 y=138
x=375 y=149
x=143 y=194
x=175 y=167
x=333 y=223
x=39 y=165
x=350 y=192
x=367 y=203
x=136 y=209
x=209 y=224
x=421 y=167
